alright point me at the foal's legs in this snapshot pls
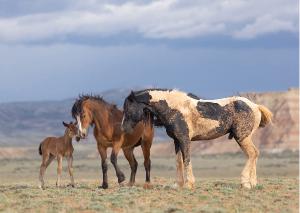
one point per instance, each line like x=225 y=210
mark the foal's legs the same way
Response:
x=248 y=176
x=47 y=159
x=103 y=154
x=128 y=152
x=146 y=145
x=59 y=170
x=70 y=168
x=114 y=160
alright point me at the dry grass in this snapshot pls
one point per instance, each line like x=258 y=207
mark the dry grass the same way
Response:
x=217 y=187
x=210 y=195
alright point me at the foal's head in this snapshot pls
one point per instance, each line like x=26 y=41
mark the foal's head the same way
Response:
x=71 y=130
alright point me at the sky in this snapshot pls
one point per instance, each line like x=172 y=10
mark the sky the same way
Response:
x=56 y=49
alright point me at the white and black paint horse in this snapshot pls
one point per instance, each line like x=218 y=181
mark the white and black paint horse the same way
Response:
x=188 y=118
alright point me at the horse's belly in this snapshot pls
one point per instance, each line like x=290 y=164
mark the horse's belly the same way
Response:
x=206 y=129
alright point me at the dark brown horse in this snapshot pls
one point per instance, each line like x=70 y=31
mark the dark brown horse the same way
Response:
x=107 y=118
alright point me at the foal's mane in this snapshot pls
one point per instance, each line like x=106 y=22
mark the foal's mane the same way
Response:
x=77 y=106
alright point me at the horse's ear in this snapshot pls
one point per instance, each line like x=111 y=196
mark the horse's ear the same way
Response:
x=65 y=124
x=131 y=97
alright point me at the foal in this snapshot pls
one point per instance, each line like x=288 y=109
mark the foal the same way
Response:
x=60 y=147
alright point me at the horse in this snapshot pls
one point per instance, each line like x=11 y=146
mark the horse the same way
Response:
x=58 y=147
x=188 y=118
x=106 y=118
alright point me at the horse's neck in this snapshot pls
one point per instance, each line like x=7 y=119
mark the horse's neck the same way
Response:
x=104 y=123
x=67 y=139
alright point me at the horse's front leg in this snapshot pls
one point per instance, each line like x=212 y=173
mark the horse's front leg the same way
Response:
x=189 y=179
x=59 y=170
x=70 y=168
x=146 y=146
x=103 y=155
x=114 y=160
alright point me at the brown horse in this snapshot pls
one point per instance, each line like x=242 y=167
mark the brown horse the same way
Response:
x=107 y=118
x=52 y=147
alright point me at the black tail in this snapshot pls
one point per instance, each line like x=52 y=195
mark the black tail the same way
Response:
x=40 y=149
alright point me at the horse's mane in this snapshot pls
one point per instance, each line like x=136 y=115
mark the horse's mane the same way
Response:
x=77 y=106
x=136 y=94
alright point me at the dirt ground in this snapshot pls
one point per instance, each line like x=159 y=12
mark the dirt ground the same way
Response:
x=217 y=187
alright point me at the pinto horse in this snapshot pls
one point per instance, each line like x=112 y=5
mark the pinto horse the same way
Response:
x=188 y=118
x=107 y=118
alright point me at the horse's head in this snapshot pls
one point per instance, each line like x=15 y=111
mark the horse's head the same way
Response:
x=135 y=108
x=72 y=130
x=81 y=111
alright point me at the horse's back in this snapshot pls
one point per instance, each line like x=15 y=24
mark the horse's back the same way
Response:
x=49 y=145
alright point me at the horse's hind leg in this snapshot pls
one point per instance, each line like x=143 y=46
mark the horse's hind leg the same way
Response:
x=146 y=145
x=114 y=160
x=253 y=177
x=128 y=152
x=179 y=165
x=248 y=176
x=42 y=170
x=70 y=168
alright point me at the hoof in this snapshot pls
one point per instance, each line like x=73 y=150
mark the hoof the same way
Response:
x=122 y=184
x=121 y=178
x=179 y=184
x=189 y=186
x=246 y=185
x=253 y=183
x=148 y=185
x=175 y=186
x=104 y=186
x=42 y=187
x=130 y=184
x=71 y=185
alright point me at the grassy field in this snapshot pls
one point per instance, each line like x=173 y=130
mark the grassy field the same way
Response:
x=217 y=187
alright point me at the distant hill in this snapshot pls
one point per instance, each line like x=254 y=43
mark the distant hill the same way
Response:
x=27 y=123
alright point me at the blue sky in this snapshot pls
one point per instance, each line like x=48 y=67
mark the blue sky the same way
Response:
x=214 y=48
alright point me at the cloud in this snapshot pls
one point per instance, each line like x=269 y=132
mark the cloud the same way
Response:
x=164 y=19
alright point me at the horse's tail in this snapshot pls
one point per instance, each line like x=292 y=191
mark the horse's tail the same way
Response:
x=40 y=149
x=266 y=116
x=148 y=119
